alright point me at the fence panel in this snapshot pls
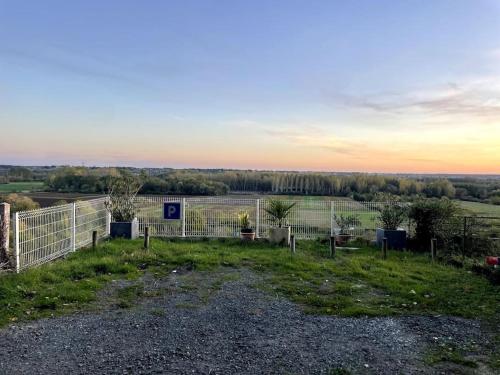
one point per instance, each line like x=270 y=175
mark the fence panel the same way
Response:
x=150 y=214
x=366 y=213
x=48 y=233
x=217 y=217
x=307 y=219
x=90 y=216
x=43 y=235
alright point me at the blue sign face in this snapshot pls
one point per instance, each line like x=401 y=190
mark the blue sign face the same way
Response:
x=172 y=210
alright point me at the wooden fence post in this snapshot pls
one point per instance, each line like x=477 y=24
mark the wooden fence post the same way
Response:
x=292 y=244
x=94 y=239
x=4 y=231
x=333 y=247
x=433 y=248
x=146 y=237
x=384 y=248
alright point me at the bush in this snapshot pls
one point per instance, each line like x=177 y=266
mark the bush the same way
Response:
x=19 y=202
x=434 y=218
x=393 y=214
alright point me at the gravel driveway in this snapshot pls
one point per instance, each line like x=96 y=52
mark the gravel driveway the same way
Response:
x=235 y=329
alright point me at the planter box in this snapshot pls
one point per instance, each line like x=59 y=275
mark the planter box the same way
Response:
x=247 y=236
x=280 y=236
x=128 y=230
x=396 y=239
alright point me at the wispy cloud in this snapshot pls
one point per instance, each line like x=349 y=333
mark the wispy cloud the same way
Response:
x=77 y=64
x=473 y=99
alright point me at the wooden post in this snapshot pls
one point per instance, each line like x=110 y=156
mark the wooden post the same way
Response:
x=464 y=238
x=384 y=248
x=292 y=244
x=94 y=239
x=333 y=247
x=433 y=248
x=146 y=237
x=4 y=231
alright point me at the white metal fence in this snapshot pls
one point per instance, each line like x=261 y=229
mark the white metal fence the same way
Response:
x=218 y=217
x=48 y=233
x=45 y=234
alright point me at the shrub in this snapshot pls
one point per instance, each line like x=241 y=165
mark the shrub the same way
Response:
x=279 y=210
x=393 y=214
x=20 y=203
x=434 y=218
x=346 y=222
x=122 y=191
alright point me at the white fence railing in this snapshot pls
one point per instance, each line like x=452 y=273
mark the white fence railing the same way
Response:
x=45 y=234
x=218 y=217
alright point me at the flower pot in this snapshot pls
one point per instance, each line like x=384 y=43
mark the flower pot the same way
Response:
x=280 y=236
x=128 y=230
x=342 y=239
x=396 y=239
x=247 y=235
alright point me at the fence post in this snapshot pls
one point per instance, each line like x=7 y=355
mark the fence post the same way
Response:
x=384 y=248
x=333 y=247
x=16 y=241
x=183 y=217
x=292 y=243
x=332 y=213
x=433 y=248
x=73 y=226
x=4 y=228
x=257 y=219
x=464 y=238
x=94 y=239
x=146 y=237
x=108 y=224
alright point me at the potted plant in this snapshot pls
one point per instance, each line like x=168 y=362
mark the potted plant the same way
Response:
x=247 y=232
x=122 y=191
x=278 y=210
x=391 y=216
x=345 y=223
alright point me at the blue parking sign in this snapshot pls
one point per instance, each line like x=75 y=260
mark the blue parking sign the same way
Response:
x=172 y=210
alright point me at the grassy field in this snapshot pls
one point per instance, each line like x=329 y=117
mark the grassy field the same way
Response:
x=355 y=283
x=21 y=187
x=481 y=208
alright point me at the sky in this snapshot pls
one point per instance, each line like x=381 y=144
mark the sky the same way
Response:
x=359 y=85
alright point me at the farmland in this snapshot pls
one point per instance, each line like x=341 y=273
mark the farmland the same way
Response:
x=481 y=209
x=21 y=187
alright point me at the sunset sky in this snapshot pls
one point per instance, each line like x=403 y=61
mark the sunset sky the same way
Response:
x=373 y=86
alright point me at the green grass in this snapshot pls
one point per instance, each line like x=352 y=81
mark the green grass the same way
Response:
x=480 y=208
x=21 y=187
x=357 y=282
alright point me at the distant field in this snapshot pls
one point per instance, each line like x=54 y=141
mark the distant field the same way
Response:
x=21 y=187
x=481 y=208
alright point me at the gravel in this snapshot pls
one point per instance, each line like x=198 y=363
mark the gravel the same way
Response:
x=234 y=329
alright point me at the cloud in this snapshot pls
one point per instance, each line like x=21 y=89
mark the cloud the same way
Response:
x=76 y=64
x=475 y=99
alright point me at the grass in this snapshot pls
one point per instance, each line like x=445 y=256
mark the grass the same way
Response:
x=481 y=209
x=356 y=282
x=21 y=187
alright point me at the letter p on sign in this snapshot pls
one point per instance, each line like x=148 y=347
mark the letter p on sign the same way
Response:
x=172 y=210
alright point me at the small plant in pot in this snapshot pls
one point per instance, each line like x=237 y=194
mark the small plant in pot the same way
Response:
x=345 y=223
x=247 y=232
x=278 y=210
x=122 y=191
x=391 y=216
